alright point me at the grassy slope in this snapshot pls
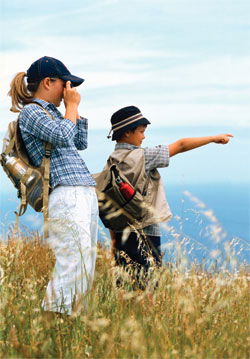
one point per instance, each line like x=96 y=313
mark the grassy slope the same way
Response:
x=188 y=315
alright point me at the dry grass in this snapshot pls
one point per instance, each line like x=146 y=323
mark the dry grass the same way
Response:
x=190 y=314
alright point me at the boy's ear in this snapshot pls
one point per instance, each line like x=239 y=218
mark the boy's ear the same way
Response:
x=125 y=135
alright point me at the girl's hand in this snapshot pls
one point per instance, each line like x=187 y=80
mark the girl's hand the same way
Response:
x=223 y=139
x=71 y=96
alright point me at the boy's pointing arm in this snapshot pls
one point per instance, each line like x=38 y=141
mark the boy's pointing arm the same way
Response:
x=187 y=144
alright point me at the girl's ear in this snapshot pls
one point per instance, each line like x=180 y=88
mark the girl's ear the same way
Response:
x=46 y=83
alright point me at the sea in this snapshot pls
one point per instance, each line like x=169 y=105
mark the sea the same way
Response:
x=207 y=190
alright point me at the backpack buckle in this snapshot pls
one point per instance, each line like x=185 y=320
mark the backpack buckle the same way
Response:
x=47 y=153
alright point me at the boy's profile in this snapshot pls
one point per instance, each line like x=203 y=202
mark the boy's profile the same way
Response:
x=128 y=130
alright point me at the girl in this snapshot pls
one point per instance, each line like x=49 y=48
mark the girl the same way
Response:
x=73 y=210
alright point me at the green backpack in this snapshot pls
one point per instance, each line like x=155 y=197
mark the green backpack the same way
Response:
x=32 y=183
x=116 y=211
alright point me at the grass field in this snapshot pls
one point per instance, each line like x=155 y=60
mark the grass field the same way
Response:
x=188 y=314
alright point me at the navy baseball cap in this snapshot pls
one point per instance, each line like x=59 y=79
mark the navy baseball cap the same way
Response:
x=50 y=67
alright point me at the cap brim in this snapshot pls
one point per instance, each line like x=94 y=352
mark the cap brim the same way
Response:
x=141 y=122
x=76 y=81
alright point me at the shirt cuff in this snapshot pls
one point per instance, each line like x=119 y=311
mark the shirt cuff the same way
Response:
x=83 y=122
x=167 y=155
x=70 y=125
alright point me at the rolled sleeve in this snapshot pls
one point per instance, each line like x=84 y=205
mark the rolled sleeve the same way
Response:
x=156 y=157
x=81 y=137
x=35 y=121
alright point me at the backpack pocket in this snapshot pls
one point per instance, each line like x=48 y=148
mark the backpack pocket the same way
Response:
x=117 y=212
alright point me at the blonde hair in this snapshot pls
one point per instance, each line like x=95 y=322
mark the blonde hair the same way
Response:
x=21 y=94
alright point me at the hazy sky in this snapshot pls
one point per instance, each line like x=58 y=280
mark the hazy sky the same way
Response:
x=183 y=62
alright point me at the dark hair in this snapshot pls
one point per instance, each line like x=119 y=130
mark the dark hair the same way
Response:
x=131 y=130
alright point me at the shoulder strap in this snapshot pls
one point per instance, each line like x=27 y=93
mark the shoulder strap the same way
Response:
x=46 y=176
x=10 y=146
x=111 y=160
x=111 y=163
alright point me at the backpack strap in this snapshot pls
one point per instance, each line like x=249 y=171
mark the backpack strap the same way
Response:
x=46 y=176
x=10 y=146
x=22 y=207
x=111 y=162
x=46 y=166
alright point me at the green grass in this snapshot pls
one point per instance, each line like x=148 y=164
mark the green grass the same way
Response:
x=192 y=314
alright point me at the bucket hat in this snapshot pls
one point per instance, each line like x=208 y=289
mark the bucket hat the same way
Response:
x=50 y=67
x=126 y=119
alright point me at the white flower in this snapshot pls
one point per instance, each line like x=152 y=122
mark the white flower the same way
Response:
x=1 y=275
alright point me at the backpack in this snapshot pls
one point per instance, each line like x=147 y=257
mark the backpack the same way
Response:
x=118 y=210
x=32 y=183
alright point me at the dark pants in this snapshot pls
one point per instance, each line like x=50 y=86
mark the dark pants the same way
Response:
x=137 y=254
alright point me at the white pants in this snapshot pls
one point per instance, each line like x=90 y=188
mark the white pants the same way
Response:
x=73 y=221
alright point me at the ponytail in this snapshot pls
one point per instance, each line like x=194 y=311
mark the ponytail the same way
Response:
x=21 y=94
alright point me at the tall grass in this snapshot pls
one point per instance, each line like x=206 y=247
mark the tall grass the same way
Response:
x=182 y=314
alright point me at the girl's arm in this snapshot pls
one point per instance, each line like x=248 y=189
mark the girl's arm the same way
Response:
x=71 y=101
x=36 y=122
x=187 y=144
x=81 y=137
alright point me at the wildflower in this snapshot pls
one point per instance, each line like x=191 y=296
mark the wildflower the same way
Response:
x=214 y=253
x=210 y=214
x=99 y=323
x=1 y=275
x=194 y=199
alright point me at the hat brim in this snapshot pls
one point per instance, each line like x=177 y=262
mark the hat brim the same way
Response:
x=117 y=134
x=76 y=81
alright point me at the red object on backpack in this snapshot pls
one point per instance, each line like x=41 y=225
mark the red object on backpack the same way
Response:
x=126 y=190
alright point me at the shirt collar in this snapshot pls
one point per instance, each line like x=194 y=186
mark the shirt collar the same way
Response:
x=128 y=146
x=43 y=103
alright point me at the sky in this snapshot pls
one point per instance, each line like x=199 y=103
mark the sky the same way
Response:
x=182 y=62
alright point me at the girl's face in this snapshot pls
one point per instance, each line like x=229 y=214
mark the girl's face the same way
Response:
x=135 y=137
x=56 y=91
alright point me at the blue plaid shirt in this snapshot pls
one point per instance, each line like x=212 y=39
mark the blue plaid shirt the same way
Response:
x=67 y=167
x=155 y=157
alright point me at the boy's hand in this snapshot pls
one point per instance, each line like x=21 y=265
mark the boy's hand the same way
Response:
x=223 y=139
x=187 y=144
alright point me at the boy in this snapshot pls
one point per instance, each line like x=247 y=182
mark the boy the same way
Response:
x=128 y=127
